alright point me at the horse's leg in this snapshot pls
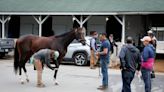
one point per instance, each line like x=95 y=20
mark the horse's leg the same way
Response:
x=24 y=68
x=22 y=65
x=56 y=70
x=25 y=71
x=20 y=74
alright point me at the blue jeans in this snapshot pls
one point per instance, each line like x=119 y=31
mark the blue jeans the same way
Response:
x=127 y=77
x=147 y=79
x=104 y=71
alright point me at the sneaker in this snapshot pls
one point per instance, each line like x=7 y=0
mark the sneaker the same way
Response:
x=40 y=85
x=92 y=67
x=102 y=87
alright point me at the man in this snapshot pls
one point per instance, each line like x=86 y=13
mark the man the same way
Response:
x=130 y=62
x=104 y=60
x=148 y=55
x=43 y=56
x=93 y=45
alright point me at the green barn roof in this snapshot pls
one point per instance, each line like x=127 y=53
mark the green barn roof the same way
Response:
x=83 y=7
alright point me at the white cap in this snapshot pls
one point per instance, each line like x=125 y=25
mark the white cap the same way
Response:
x=56 y=55
x=150 y=31
x=146 y=38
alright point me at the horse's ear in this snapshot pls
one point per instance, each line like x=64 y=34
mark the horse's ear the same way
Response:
x=83 y=29
x=75 y=29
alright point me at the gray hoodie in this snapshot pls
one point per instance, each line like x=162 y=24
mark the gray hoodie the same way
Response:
x=130 y=58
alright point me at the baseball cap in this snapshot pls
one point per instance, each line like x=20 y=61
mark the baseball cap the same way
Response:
x=150 y=31
x=146 y=38
x=56 y=55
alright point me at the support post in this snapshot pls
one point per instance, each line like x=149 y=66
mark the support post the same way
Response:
x=123 y=27
x=81 y=22
x=3 y=21
x=40 y=22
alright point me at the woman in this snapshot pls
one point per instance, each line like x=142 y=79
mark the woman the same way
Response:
x=43 y=56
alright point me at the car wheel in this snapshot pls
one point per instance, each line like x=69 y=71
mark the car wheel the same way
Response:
x=80 y=59
x=2 y=55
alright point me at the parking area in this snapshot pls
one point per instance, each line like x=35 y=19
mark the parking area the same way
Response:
x=71 y=78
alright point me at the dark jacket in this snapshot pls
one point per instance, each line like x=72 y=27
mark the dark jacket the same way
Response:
x=130 y=58
x=112 y=44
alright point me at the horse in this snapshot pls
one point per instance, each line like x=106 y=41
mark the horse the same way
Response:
x=27 y=45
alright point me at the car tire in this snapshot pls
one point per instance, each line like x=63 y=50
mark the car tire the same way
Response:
x=80 y=59
x=2 y=55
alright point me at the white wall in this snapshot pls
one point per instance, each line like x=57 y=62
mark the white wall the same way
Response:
x=28 y=25
x=61 y=24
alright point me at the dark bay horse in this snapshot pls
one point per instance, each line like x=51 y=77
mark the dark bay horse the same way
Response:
x=27 y=45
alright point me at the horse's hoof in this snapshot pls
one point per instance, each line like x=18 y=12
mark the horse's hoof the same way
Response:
x=27 y=80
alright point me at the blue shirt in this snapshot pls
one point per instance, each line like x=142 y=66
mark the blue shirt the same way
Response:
x=105 y=44
x=148 y=52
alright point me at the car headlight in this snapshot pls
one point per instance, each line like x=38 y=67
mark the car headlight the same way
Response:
x=2 y=42
x=6 y=50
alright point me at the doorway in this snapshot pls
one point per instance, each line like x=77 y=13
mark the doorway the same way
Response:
x=47 y=27
x=114 y=27
x=14 y=27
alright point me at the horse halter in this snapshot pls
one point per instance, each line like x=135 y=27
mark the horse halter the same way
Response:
x=79 y=39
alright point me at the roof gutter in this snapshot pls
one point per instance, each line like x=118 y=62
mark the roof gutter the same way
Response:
x=81 y=13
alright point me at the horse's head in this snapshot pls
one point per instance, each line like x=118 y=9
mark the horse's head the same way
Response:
x=80 y=35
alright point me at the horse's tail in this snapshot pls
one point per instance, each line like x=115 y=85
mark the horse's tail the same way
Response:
x=16 y=59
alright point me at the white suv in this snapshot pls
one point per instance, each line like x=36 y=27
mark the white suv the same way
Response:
x=78 y=53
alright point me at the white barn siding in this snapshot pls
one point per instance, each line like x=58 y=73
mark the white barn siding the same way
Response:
x=134 y=27
x=61 y=24
x=97 y=23
x=28 y=25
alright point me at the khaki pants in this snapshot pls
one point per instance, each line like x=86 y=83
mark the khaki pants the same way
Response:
x=93 y=59
x=38 y=66
x=114 y=60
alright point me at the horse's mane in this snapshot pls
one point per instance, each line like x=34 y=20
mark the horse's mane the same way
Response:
x=64 y=34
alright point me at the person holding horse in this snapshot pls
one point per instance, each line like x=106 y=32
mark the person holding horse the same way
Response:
x=93 y=49
x=44 y=56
